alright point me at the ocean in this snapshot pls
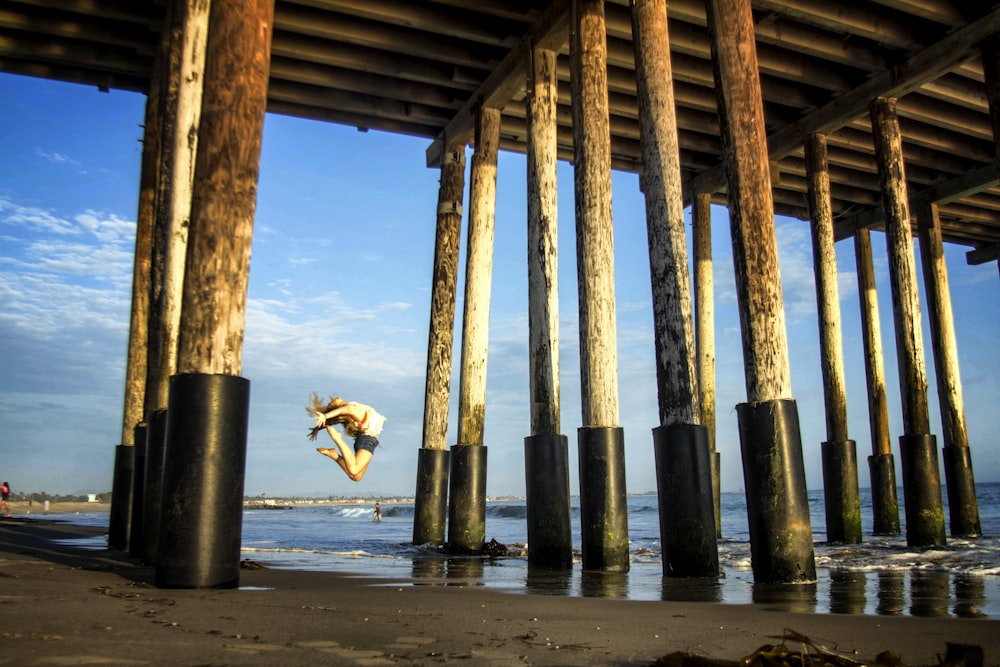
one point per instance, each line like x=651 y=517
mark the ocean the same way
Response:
x=881 y=576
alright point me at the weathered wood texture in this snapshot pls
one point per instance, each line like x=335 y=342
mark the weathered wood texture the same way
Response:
x=167 y=73
x=192 y=37
x=751 y=211
x=827 y=294
x=704 y=309
x=942 y=327
x=543 y=249
x=478 y=278
x=437 y=391
x=594 y=237
x=138 y=333
x=676 y=373
x=902 y=269
x=991 y=76
x=224 y=200
x=871 y=330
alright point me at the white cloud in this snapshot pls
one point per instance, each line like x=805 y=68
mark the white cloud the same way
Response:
x=57 y=158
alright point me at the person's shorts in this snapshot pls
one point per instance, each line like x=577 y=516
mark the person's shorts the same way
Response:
x=365 y=442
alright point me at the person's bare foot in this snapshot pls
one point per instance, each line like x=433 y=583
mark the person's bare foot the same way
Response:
x=327 y=451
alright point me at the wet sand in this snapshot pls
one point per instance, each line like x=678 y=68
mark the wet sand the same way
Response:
x=66 y=604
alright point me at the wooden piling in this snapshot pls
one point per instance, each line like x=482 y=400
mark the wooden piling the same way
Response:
x=431 y=499
x=594 y=236
x=444 y=280
x=543 y=274
x=237 y=65
x=603 y=498
x=676 y=375
x=467 y=490
x=208 y=406
x=840 y=470
x=135 y=370
x=885 y=504
x=921 y=479
x=478 y=278
x=683 y=464
x=902 y=270
x=751 y=210
x=774 y=474
x=963 y=508
x=546 y=450
x=167 y=73
x=704 y=310
x=827 y=296
x=120 y=514
x=189 y=34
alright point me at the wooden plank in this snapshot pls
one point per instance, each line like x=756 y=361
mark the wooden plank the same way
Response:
x=991 y=77
x=507 y=78
x=907 y=76
x=213 y=315
x=956 y=189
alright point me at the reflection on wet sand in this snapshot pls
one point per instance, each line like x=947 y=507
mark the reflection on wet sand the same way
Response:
x=599 y=584
x=891 y=601
x=786 y=597
x=548 y=581
x=847 y=592
x=898 y=592
x=970 y=596
x=929 y=593
x=694 y=589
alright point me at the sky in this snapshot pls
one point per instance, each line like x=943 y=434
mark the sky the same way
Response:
x=339 y=300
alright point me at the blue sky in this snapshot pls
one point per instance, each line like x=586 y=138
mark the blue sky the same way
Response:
x=339 y=303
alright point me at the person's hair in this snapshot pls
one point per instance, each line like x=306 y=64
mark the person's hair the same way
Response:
x=316 y=405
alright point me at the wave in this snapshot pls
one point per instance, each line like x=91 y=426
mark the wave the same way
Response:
x=507 y=511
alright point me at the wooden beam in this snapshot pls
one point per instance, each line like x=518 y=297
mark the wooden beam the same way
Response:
x=506 y=79
x=905 y=77
x=967 y=184
x=987 y=253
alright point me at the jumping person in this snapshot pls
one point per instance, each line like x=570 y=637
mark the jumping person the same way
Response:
x=360 y=421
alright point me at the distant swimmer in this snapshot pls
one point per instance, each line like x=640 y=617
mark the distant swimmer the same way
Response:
x=359 y=421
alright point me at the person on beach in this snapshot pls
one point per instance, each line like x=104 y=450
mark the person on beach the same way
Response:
x=5 y=498
x=359 y=421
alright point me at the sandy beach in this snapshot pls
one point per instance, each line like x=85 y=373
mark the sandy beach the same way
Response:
x=76 y=602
